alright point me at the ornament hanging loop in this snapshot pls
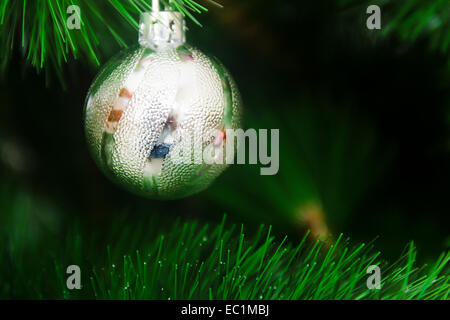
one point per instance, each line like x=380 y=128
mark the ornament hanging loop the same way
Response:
x=155 y=5
x=162 y=29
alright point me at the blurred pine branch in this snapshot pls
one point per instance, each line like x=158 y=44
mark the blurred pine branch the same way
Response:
x=194 y=260
x=329 y=160
x=411 y=20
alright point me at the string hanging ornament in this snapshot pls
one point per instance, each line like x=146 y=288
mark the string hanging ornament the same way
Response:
x=150 y=112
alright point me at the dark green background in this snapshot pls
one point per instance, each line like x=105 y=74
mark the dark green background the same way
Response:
x=363 y=122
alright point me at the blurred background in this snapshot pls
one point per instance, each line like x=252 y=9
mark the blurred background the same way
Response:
x=364 y=119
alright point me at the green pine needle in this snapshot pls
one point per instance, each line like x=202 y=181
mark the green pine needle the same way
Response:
x=159 y=257
x=39 y=28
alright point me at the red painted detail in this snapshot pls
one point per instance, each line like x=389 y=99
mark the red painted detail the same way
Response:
x=115 y=115
x=125 y=93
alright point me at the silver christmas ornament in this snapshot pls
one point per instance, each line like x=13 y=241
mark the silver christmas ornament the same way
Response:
x=151 y=102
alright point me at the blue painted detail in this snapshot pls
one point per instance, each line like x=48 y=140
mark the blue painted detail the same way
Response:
x=160 y=151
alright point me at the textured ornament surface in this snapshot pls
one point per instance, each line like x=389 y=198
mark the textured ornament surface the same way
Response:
x=141 y=105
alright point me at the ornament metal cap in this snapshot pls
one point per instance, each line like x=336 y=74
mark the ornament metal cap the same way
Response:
x=162 y=29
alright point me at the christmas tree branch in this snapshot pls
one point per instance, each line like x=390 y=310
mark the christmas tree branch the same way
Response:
x=131 y=259
x=48 y=32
